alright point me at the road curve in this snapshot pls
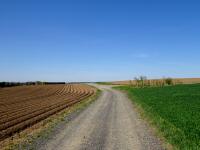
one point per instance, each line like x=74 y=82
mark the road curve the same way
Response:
x=110 y=123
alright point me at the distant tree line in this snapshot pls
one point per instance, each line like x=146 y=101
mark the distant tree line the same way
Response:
x=10 y=84
x=54 y=82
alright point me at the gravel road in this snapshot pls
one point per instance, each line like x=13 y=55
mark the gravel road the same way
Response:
x=110 y=123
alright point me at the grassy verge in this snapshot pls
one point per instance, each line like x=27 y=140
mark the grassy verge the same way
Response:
x=104 y=83
x=173 y=110
x=41 y=130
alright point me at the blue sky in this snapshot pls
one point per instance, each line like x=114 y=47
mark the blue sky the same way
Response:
x=71 y=40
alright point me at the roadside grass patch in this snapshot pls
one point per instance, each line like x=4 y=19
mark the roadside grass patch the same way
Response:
x=174 y=110
x=104 y=83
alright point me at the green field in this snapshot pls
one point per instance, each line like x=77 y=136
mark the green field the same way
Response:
x=174 y=110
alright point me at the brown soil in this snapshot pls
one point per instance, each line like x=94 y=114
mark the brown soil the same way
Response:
x=21 y=107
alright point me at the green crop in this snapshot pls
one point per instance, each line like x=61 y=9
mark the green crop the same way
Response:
x=174 y=110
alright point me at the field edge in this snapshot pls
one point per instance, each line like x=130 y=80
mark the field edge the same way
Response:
x=147 y=118
x=44 y=128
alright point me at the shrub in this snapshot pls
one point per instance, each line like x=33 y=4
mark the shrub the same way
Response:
x=169 y=81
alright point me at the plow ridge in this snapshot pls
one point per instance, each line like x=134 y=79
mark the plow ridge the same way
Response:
x=24 y=106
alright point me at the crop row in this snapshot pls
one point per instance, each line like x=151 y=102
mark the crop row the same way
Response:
x=21 y=107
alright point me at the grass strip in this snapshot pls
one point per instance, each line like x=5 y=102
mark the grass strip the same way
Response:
x=173 y=110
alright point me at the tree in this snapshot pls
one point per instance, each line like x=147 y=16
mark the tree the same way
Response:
x=169 y=81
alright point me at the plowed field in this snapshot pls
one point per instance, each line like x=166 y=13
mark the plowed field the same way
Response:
x=23 y=106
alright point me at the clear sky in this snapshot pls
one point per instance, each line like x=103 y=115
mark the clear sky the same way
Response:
x=97 y=40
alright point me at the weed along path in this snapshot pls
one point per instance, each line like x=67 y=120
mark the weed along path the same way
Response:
x=110 y=123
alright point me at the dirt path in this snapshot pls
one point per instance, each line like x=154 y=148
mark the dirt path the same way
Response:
x=110 y=123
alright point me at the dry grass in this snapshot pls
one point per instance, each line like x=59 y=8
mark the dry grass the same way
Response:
x=176 y=80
